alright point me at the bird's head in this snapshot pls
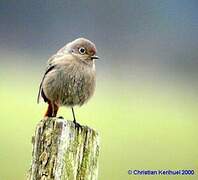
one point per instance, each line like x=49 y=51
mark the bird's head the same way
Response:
x=83 y=49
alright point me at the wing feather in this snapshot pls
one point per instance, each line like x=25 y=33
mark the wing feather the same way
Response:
x=52 y=63
x=41 y=93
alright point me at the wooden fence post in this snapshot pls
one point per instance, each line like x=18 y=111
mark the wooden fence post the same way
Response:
x=62 y=151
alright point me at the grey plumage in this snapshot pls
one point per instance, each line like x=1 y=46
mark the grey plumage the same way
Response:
x=69 y=79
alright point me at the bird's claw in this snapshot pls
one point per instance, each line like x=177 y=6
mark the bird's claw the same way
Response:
x=77 y=125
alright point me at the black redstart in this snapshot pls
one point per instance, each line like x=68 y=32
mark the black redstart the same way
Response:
x=69 y=79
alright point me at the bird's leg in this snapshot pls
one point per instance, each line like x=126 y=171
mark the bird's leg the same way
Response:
x=74 y=118
x=74 y=121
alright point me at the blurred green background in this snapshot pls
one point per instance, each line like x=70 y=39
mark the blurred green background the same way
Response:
x=145 y=105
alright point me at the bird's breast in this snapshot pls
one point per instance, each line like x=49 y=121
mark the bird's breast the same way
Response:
x=71 y=85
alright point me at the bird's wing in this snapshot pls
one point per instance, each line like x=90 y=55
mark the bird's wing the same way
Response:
x=50 y=66
x=53 y=62
x=48 y=69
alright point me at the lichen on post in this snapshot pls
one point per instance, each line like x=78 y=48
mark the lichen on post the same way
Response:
x=63 y=151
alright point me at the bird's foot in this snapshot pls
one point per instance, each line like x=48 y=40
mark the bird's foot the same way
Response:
x=77 y=125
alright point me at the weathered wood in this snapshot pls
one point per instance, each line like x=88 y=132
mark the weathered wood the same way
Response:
x=62 y=151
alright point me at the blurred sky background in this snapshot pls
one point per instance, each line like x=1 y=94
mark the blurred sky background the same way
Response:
x=146 y=101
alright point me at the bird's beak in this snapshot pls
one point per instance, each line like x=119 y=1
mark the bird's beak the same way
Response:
x=95 y=57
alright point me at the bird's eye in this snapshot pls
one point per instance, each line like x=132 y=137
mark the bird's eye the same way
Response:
x=82 y=50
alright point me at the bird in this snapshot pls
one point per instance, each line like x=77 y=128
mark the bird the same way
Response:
x=70 y=77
